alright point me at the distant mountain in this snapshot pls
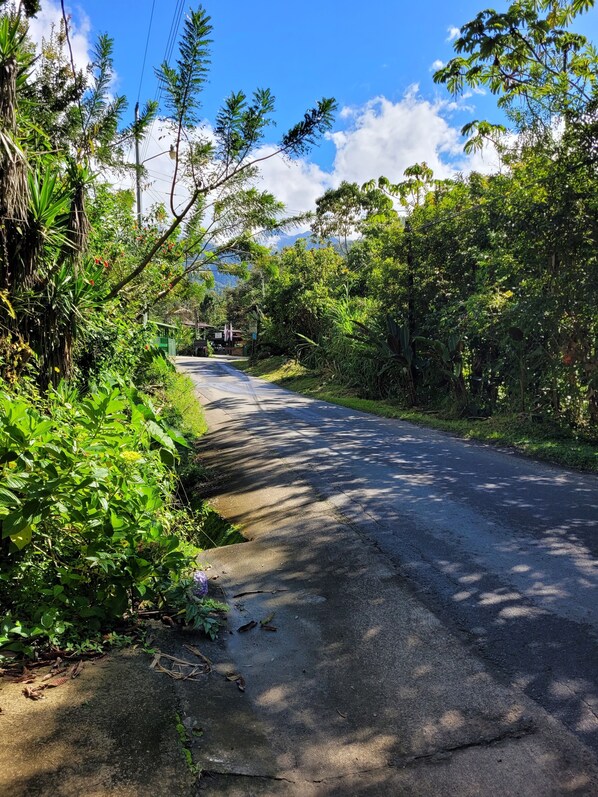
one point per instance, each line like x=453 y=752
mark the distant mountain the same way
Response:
x=288 y=240
x=222 y=281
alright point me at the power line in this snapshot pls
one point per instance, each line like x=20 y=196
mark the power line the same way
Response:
x=174 y=29
x=147 y=38
x=170 y=42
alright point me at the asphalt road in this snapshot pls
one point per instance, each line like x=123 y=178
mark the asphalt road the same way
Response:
x=502 y=549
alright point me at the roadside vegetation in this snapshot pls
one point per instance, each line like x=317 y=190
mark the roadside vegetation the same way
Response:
x=542 y=440
x=94 y=529
x=101 y=509
x=466 y=303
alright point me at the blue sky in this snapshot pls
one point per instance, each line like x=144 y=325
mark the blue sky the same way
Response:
x=351 y=51
x=375 y=58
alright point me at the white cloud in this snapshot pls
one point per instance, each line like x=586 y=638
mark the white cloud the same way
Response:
x=437 y=64
x=386 y=137
x=453 y=33
x=381 y=138
x=297 y=183
x=378 y=138
x=50 y=15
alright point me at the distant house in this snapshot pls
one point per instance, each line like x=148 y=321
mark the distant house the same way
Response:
x=224 y=340
x=229 y=340
x=165 y=338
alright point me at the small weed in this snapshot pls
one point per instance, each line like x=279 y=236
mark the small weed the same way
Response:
x=200 y=613
x=183 y=735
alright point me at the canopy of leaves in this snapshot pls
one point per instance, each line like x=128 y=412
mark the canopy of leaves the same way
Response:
x=526 y=56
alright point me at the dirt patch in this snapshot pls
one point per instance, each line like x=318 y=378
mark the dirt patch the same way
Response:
x=109 y=733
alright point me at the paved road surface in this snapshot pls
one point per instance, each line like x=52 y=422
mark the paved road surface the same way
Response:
x=502 y=549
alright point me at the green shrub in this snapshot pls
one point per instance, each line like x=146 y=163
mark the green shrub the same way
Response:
x=87 y=529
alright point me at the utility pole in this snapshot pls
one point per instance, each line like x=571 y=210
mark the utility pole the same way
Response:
x=138 y=168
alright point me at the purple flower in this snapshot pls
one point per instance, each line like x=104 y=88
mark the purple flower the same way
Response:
x=200 y=581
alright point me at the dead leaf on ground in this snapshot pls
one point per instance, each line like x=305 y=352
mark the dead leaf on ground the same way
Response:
x=247 y=627
x=267 y=620
x=56 y=682
x=33 y=694
x=237 y=678
x=269 y=628
x=75 y=671
x=26 y=677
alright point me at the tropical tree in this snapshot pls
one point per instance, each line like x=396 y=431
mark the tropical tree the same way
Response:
x=222 y=212
x=539 y=69
x=341 y=211
x=52 y=151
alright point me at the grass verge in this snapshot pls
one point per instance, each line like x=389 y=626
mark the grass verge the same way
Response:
x=182 y=409
x=540 y=440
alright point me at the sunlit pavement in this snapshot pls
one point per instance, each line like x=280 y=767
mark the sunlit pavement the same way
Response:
x=477 y=571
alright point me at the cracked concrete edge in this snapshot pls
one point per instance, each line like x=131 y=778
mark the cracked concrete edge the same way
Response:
x=405 y=762
x=466 y=772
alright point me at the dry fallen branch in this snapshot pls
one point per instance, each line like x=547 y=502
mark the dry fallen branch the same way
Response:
x=197 y=652
x=180 y=669
x=57 y=669
x=258 y=592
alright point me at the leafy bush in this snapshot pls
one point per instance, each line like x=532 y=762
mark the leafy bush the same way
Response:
x=87 y=527
x=113 y=343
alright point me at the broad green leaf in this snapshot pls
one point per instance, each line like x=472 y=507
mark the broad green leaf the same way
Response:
x=22 y=538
